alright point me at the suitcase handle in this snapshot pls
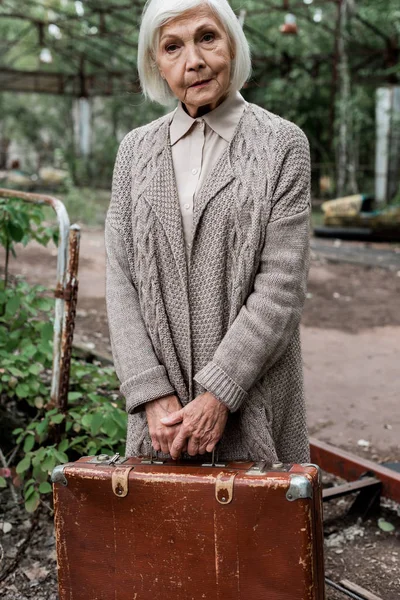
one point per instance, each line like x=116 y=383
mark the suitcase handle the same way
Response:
x=154 y=460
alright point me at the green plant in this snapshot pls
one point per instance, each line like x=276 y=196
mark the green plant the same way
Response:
x=94 y=423
x=94 y=420
x=22 y=222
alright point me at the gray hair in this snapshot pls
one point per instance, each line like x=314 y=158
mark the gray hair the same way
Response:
x=157 y=13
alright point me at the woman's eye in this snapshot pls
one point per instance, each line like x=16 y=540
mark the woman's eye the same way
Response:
x=208 y=37
x=171 y=48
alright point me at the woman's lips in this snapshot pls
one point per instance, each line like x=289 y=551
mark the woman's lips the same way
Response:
x=201 y=83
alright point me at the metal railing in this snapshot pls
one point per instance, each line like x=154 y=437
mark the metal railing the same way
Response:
x=65 y=292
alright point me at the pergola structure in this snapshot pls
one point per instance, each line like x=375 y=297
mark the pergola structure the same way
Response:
x=88 y=48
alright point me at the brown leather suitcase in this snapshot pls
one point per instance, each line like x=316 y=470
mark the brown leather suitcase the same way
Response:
x=139 y=529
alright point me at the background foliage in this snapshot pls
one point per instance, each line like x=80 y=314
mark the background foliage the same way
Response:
x=295 y=76
x=95 y=421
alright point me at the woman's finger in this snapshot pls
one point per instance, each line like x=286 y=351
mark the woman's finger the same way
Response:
x=173 y=419
x=155 y=443
x=193 y=446
x=164 y=445
x=178 y=444
x=203 y=447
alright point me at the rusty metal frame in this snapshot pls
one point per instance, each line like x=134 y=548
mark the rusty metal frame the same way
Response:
x=65 y=293
x=350 y=467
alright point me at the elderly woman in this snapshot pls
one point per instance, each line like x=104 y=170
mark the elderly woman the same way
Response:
x=207 y=240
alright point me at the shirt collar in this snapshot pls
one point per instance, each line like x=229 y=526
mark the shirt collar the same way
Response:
x=222 y=120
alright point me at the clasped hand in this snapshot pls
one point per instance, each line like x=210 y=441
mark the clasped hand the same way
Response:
x=197 y=427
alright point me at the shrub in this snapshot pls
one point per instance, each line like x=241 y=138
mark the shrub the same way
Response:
x=94 y=421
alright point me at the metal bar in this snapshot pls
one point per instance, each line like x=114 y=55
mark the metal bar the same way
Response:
x=70 y=297
x=353 y=587
x=350 y=466
x=65 y=292
x=349 y=488
x=344 y=590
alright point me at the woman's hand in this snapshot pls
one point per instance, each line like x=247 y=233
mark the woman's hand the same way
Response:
x=161 y=435
x=202 y=424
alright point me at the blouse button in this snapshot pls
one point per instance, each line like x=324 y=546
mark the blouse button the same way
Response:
x=187 y=206
x=194 y=171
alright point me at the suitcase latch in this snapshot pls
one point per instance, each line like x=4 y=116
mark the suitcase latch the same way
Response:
x=105 y=459
x=262 y=467
x=224 y=487
x=120 y=479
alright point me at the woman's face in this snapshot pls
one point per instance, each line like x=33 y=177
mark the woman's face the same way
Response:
x=195 y=48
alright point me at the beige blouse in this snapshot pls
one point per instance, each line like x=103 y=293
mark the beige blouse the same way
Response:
x=197 y=145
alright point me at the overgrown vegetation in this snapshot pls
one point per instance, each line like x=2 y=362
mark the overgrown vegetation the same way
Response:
x=95 y=421
x=324 y=78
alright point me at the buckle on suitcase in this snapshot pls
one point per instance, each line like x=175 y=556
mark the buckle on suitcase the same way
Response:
x=150 y=460
x=105 y=459
x=259 y=468
x=213 y=463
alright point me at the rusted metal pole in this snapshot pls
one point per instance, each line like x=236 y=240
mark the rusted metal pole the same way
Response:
x=350 y=467
x=70 y=295
x=65 y=293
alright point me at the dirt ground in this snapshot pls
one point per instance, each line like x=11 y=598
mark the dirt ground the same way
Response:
x=351 y=348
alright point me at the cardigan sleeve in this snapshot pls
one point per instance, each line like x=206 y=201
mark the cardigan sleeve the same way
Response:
x=266 y=322
x=141 y=375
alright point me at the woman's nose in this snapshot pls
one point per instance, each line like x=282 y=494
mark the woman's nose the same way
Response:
x=194 y=58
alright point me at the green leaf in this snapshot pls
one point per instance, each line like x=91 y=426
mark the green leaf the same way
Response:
x=29 y=350
x=61 y=456
x=12 y=305
x=29 y=443
x=44 y=304
x=64 y=445
x=45 y=487
x=16 y=372
x=385 y=525
x=38 y=456
x=15 y=231
x=33 y=502
x=35 y=369
x=28 y=482
x=22 y=390
x=29 y=491
x=74 y=396
x=42 y=426
x=49 y=463
x=57 y=418
x=110 y=428
x=87 y=420
x=44 y=347
x=47 y=332
x=23 y=465
x=3 y=482
x=78 y=440
x=96 y=423
x=39 y=474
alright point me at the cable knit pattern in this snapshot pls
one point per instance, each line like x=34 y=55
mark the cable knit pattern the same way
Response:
x=229 y=324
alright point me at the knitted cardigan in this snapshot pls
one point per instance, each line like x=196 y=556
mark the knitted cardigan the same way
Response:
x=229 y=324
